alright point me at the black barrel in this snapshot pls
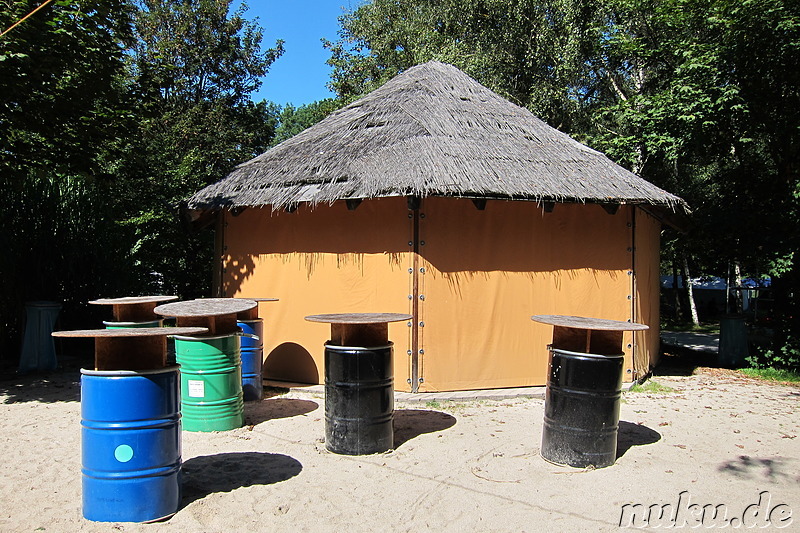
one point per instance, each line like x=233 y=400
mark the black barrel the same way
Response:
x=581 y=409
x=359 y=399
x=733 y=348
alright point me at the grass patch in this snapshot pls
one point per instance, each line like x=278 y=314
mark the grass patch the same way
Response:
x=453 y=406
x=651 y=386
x=772 y=374
x=704 y=327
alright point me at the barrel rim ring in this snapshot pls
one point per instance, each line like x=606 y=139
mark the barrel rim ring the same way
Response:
x=192 y=338
x=253 y=320
x=338 y=348
x=585 y=354
x=166 y=369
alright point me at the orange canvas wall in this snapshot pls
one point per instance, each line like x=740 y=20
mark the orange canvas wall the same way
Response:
x=648 y=269
x=481 y=275
x=488 y=271
x=325 y=260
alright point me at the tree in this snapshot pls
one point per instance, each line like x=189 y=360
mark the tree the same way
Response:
x=60 y=85
x=106 y=126
x=529 y=51
x=701 y=97
x=708 y=108
x=193 y=68
x=294 y=120
x=61 y=97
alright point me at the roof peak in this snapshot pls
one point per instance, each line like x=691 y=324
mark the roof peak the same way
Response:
x=431 y=130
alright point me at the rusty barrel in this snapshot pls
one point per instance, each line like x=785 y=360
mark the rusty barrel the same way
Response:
x=359 y=399
x=581 y=417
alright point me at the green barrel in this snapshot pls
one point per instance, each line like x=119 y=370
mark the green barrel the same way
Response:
x=126 y=325
x=211 y=382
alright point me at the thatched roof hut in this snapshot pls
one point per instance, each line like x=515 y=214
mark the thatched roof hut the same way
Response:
x=430 y=131
x=369 y=210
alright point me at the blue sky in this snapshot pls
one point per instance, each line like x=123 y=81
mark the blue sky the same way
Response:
x=299 y=76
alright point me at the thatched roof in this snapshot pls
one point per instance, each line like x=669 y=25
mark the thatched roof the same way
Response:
x=430 y=131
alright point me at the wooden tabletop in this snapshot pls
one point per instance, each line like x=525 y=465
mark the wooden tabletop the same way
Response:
x=579 y=322
x=206 y=307
x=130 y=332
x=133 y=300
x=359 y=318
x=359 y=329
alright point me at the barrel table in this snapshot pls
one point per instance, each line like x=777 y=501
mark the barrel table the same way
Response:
x=359 y=382
x=133 y=311
x=211 y=364
x=252 y=346
x=130 y=426
x=584 y=385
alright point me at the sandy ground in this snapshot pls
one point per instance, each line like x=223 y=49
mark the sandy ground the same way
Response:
x=457 y=466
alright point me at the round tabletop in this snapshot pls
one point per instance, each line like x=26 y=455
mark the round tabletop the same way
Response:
x=130 y=332
x=580 y=322
x=206 y=307
x=359 y=318
x=131 y=300
x=259 y=299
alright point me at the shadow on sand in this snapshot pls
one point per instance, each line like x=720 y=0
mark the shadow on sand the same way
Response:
x=762 y=468
x=411 y=423
x=60 y=385
x=273 y=408
x=681 y=361
x=630 y=434
x=225 y=472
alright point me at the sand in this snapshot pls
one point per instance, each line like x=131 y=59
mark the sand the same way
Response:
x=717 y=439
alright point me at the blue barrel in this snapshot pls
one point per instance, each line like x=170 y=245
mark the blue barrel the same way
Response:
x=130 y=444
x=252 y=358
x=211 y=382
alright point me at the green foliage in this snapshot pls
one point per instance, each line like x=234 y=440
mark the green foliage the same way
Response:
x=57 y=245
x=294 y=120
x=112 y=113
x=529 y=51
x=698 y=83
x=192 y=68
x=195 y=50
x=62 y=114
x=785 y=357
x=60 y=85
x=700 y=97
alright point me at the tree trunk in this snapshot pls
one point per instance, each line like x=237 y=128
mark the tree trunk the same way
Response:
x=739 y=297
x=687 y=280
x=675 y=292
